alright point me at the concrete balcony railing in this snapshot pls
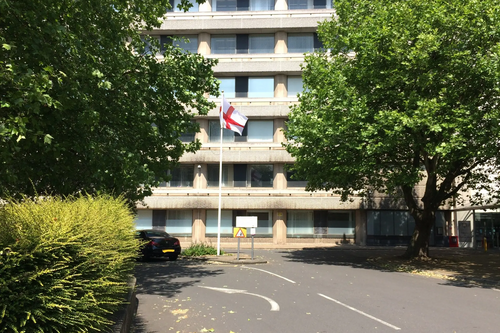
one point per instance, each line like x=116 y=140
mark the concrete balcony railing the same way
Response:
x=257 y=21
x=239 y=153
x=288 y=63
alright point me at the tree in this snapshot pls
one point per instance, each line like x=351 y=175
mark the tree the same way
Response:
x=407 y=94
x=86 y=106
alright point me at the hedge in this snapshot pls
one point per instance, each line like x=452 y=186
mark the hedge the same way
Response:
x=64 y=263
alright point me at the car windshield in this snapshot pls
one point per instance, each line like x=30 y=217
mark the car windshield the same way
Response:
x=153 y=233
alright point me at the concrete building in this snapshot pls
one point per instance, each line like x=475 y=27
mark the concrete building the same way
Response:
x=260 y=45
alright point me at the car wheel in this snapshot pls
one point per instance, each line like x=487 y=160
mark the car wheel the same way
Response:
x=174 y=257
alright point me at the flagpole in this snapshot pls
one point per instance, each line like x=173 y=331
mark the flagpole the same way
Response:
x=220 y=178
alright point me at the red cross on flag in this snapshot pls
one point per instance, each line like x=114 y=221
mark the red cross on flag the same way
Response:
x=230 y=118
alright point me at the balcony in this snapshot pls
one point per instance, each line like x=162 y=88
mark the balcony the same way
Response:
x=231 y=22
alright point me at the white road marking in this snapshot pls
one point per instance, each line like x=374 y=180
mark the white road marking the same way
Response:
x=361 y=312
x=274 y=305
x=495 y=289
x=262 y=270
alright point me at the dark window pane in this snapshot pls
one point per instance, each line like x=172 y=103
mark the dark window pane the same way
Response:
x=225 y=5
x=261 y=175
x=240 y=175
x=242 y=5
x=242 y=44
x=319 y=4
x=241 y=83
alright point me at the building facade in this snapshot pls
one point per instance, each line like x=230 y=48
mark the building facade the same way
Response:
x=260 y=45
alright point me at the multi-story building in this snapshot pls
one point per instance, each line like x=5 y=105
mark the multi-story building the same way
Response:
x=260 y=45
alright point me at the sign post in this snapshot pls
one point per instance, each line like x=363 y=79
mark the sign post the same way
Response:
x=252 y=232
x=246 y=222
x=239 y=233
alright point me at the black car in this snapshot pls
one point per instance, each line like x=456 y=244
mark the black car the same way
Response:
x=158 y=243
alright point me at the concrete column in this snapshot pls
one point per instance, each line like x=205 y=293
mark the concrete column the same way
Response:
x=199 y=225
x=279 y=182
x=206 y=6
x=279 y=125
x=360 y=220
x=280 y=42
x=279 y=227
x=200 y=179
x=280 y=5
x=203 y=134
x=280 y=85
x=204 y=43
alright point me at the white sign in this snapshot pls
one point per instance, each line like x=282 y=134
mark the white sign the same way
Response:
x=252 y=231
x=246 y=221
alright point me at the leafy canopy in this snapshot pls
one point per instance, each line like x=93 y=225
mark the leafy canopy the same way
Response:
x=85 y=104
x=408 y=92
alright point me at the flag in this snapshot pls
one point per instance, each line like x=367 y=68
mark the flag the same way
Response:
x=230 y=118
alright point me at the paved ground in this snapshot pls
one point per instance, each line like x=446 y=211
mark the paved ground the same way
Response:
x=463 y=265
x=327 y=289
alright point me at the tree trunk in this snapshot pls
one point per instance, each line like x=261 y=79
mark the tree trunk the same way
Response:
x=419 y=243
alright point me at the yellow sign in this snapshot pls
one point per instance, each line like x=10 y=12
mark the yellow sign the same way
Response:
x=239 y=232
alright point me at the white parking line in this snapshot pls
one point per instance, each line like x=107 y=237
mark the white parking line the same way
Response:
x=274 y=305
x=361 y=312
x=495 y=289
x=258 y=269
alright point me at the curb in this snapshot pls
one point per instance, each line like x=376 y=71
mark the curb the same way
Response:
x=125 y=317
x=229 y=260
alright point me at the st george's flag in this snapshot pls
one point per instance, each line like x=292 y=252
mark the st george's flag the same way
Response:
x=230 y=118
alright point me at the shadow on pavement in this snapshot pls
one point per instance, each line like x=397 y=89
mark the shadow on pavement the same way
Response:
x=139 y=326
x=456 y=266
x=156 y=277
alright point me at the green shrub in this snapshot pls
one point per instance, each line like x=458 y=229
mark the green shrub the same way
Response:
x=64 y=263
x=200 y=249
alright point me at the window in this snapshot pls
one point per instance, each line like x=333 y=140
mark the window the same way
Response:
x=261 y=175
x=303 y=42
x=294 y=85
x=179 y=222
x=148 y=43
x=291 y=181
x=256 y=5
x=174 y=8
x=228 y=5
x=242 y=44
x=213 y=175
x=144 y=219
x=264 y=222
x=309 y=4
x=298 y=4
x=182 y=176
x=260 y=87
x=254 y=131
x=188 y=43
x=299 y=223
x=244 y=86
x=188 y=136
x=260 y=131
x=226 y=222
x=261 y=43
x=390 y=223
x=241 y=175
x=223 y=44
x=242 y=5
x=228 y=85
x=214 y=132
x=386 y=223
x=340 y=223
